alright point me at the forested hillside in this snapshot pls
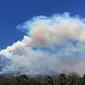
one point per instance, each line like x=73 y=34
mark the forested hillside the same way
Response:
x=62 y=79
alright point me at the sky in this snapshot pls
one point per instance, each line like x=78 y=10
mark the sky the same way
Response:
x=40 y=36
x=14 y=12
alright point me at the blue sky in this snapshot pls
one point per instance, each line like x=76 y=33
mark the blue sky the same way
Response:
x=64 y=50
x=14 y=12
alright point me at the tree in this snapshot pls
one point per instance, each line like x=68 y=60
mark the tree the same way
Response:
x=74 y=79
x=22 y=80
x=49 y=80
x=62 y=80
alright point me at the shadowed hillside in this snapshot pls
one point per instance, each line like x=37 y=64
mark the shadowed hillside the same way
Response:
x=61 y=79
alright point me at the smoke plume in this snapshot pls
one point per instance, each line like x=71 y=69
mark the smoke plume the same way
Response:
x=51 y=44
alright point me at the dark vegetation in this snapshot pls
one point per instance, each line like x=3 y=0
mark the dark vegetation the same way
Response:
x=61 y=79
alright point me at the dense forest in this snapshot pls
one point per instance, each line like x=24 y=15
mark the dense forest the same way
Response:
x=61 y=79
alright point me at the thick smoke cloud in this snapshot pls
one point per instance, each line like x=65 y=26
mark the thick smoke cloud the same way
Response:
x=51 y=45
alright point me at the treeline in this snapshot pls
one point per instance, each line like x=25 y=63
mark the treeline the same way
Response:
x=62 y=79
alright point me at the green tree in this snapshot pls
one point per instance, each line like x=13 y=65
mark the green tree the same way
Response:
x=62 y=80
x=22 y=80
x=74 y=79
x=49 y=80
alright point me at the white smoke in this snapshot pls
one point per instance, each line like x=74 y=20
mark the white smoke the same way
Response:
x=56 y=34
